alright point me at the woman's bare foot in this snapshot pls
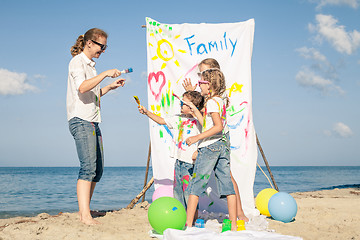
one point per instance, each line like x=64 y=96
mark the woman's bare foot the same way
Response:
x=88 y=220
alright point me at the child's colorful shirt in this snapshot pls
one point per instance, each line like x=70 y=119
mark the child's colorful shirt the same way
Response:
x=183 y=128
x=215 y=104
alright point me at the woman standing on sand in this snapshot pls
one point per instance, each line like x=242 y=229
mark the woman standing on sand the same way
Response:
x=83 y=113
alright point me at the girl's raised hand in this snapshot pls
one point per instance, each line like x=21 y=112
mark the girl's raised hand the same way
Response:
x=188 y=86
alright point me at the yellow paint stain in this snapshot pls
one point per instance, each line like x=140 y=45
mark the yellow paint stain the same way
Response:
x=154 y=57
x=152 y=108
x=160 y=30
x=177 y=63
x=235 y=88
x=152 y=35
x=182 y=51
x=177 y=81
x=177 y=36
x=150 y=44
x=158 y=107
x=163 y=65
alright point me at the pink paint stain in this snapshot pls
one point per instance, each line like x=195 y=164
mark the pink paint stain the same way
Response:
x=191 y=69
x=156 y=76
x=185 y=180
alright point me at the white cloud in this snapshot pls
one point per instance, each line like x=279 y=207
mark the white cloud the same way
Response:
x=339 y=130
x=307 y=78
x=350 y=3
x=13 y=83
x=327 y=28
x=311 y=53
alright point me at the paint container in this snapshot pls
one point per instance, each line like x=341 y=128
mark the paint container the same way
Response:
x=226 y=225
x=200 y=223
x=240 y=225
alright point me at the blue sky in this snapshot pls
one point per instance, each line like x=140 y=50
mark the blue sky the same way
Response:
x=305 y=72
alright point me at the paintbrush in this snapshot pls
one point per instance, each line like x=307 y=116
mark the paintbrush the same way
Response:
x=137 y=100
x=178 y=97
x=129 y=70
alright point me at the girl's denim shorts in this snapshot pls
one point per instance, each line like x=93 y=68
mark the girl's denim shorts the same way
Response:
x=215 y=157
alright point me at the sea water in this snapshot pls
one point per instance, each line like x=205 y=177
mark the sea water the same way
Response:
x=29 y=191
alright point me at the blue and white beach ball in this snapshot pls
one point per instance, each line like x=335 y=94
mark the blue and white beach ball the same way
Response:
x=282 y=207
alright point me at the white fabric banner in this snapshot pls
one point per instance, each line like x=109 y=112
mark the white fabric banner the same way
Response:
x=173 y=53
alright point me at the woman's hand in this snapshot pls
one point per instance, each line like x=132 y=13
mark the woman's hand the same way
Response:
x=113 y=73
x=117 y=83
x=188 y=86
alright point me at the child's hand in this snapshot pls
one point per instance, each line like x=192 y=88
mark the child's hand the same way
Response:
x=188 y=86
x=142 y=110
x=191 y=140
x=191 y=106
x=194 y=156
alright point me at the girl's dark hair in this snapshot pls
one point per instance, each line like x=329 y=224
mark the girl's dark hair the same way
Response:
x=196 y=98
x=212 y=63
x=92 y=34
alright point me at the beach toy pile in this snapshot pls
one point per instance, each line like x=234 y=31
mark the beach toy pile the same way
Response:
x=281 y=206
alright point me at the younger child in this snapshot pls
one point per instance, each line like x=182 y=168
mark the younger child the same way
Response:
x=185 y=125
x=214 y=147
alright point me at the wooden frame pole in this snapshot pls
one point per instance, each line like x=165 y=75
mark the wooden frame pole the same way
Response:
x=266 y=162
x=136 y=199
x=147 y=169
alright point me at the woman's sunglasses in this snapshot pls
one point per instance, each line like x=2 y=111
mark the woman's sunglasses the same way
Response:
x=102 y=46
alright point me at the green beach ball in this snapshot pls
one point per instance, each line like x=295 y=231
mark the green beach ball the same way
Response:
x=166 y=212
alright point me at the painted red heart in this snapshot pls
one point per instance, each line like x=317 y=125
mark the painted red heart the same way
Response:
x=156 y=76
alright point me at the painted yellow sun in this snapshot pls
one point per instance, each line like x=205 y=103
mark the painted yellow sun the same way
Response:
x=164 y=49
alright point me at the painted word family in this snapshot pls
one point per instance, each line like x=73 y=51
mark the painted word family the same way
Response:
x=225 y=43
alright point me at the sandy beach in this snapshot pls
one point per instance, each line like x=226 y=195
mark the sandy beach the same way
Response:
x=327 y=214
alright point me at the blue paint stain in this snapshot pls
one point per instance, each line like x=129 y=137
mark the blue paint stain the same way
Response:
x=174 y=208
x=168 y=130
x=234 y=147
x=237 y=124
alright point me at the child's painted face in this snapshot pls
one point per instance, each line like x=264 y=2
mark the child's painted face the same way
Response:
x=185 y=109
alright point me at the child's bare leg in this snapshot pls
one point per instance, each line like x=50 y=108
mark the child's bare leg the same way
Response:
x=191 y=209
x=239 y=211
x=231 y=201
x=84 y=195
